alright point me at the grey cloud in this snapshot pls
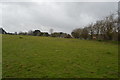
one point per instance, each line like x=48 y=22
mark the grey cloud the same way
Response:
x=61 y=16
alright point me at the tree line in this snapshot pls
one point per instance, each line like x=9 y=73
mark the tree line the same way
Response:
x=106 y=29
x=39 y=33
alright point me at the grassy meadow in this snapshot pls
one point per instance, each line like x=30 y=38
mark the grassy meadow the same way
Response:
x=48 y=57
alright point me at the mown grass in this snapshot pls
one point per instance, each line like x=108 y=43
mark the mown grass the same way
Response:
x=47 y=57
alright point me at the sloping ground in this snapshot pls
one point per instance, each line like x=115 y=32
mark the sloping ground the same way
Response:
x=42 y=57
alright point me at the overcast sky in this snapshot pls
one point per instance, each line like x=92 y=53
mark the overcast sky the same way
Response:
x=60 y=16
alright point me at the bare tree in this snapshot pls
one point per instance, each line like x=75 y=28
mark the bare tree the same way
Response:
x=84 y=33
x=30 y=32
x=106 y=29
x=51 y=31
x=76 y=33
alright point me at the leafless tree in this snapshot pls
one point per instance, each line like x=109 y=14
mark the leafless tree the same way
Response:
x=51 y=31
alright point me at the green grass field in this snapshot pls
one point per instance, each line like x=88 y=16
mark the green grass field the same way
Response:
x=47 y=57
